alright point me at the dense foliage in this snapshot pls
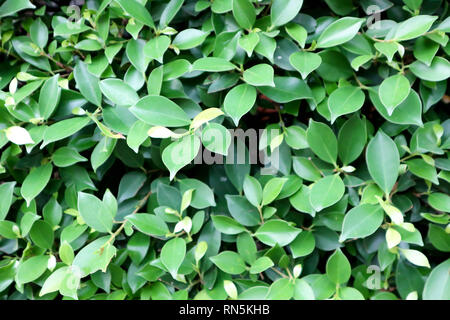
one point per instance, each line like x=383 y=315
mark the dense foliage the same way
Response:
x=104 y=104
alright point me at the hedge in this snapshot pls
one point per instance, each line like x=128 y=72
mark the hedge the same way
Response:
x=224 y=149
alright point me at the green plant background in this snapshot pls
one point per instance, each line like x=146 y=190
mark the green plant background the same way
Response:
x=93 y=204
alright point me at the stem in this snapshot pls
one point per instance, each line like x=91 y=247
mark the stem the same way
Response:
x=120 y=228
x=279 y=272
x=261 y=214
x=59 y=64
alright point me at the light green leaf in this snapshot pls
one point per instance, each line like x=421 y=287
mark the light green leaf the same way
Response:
x=189 y=38
x=338 y=268
x=261 y=265
x=339 y=32
x=326 y=192
x=49 y=97
x=283 y=11
x=393 y=91
x=31 y=269
x=413 y=27
x=362 y=221
x=305 y=62
x=345 y=100
x=172 y=255
x=94 y=212
x=180 y=153
x=160 y=111
x=244 y=13
x=322 y=141
x=148 y=224
x=119 y=92
x=229 y=262
x=276 y=232
x=259 y=75
x=383 y=161
x=216 y=138
x=87 y=83
x=35 y=182
x=239 y=101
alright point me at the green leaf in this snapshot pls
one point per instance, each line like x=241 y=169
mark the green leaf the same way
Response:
x=87 y=83
x=283 y=11
x=413 y=27
x=170 y=12
x=297 y=32
x=6 y=194
x=259 y=75
x=305 y=62
x=221 y=6
x=352 y=139
x=49 y=97
x=326 y=192
x=137 y=11
x=322 y=141
x=66 y=253
x=35 y=182
x=438 y=70
x=41 y=234
x=203 y=196
x=63 y=129
x=239 y=101
x=272 y=189
x=439 y=238
x=148 y=224
x=156 y=48
x=119 y=92
x=189 y=38
x=345 y=100
x=180 y=153
x=213 y=64
x=248 y=42
x=362 y=221
x=420 y=168
x=339 y=32
x=39 y=33
x=438 y=282
x=287 y=89
x=296 y=137
x=407 y=112
x=253 y=190
x=393 y=91
x=303 y=245
x=160 y=111
x=237 y=205
x=229 y=262
x=244 y=13
x=31 y=269
x=425 y=50
x=338 y=268
x=439 y=201
x=276 y=232
x=94 y=212
x=281 y=289
x=216 y=138
x=95 y=256
x=227 y=225
x=102 y=152
x=137 y=135
x=383 y=161
x=172 y=255
x=135 y=51
x=9 y=7
x=261 y=265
